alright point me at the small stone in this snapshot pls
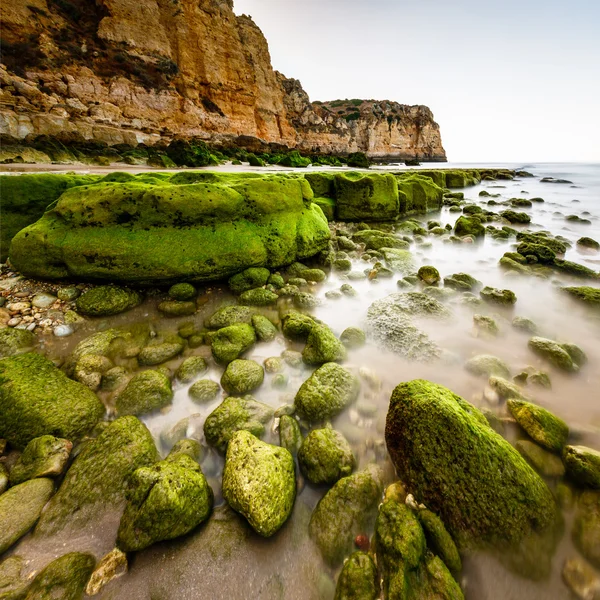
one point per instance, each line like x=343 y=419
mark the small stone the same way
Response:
x=581 y=579
x=274 y=364
x=191 y=368
x=182 y=291
x=43 y=300
x=63 y=330
x=204 y=390
x=110 y=567
x=177 y=308
x=14 y=321
x=353 y=337
x=68 y=294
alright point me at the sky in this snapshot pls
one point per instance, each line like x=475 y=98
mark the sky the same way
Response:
x=506 y=81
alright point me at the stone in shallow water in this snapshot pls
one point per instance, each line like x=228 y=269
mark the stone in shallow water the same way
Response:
x=230 y=342
x=110 y=567
x=14 y=341
x=322 y=346
x=545 y=463
x=540 y=424
x=146 y=391
x=107 y=300
x=553 y=352
x=204 y=390
x=325 y=456
x=43 y=300
x=191 y=368
x=45 y=456
x=242 y=376
x=486 y=364
x=583 y=465
x=358 y=579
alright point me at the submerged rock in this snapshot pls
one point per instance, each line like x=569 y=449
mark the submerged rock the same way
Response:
x=325 y=456
x=160 y=351
x=164 y=501
x=462 y=469
x=544 y=462
x=146 y=392
x=486 y=364
x=64 y=578
x=353 y=337
x=264 y=328
x=38 y=399
x=358 y=579
x=45 y=456
x=229 y=315
x=191 y=368
x=586 y=294
x=259 y=482
x=204 y=391
x=107 y=300
x=496 y=296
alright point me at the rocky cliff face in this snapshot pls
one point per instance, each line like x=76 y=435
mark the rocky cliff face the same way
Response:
x=125 y=71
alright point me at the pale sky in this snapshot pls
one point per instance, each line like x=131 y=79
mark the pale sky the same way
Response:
x=506 y=81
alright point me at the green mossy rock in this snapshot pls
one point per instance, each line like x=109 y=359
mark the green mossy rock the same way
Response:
x=348 y=509
x=230 y=315
x=164 y=501
x=242 y=376
x=439 y=541
x=557 y=246
x=587 y=242
x=296 y=326
x=353 y=337
x=469 y=226
x=371 y=197
x=322 y=347
x=575 y=269
x=514 y=217
x=553 y=352
x=524 y=324
x=376 y=240
x=15 y=341
x=146 y=392
x=325 y=456
x=326 y=393
x=201 y=227
x=583 y=466
x=230 y=342
x=182 y=292
x=429 y=275
x=107 y=300
x=448 y=456
x=37 y=399
x=264 y=328
x=259 y=297
x=90 y=368
x=160 y=351
x=204 y=391
x=586 y=528
x=294 y=159
x=235 y=414
x=358 y=579
x=64 y=578
x=418 y=195
x=588 y=295
x=544 y=462
x=540 y=424
x=259 y=482
x=486 y=364
x=496 y=296
x=97 y=479
x=177 y=308
x=191 y=368
x=544 y=254
x=20 y=508
x=290 y=436
x=45 y=456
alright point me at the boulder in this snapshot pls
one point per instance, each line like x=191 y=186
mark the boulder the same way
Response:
x=259 y=482
x=540 y=424
x=230 y=342
x=146 y=392
x=264 y=328
x=358 y=579
x=297 y=326
x=449 y=458
x=583 y=466
x=325 y=456
x=469 y=226
x=242 y=376
x=38 y=399
x=553 y=352
x=45 y=456
x=322 y=347
x=195 y=229
x=496 y=296
x=107 y=300
x=371 y=197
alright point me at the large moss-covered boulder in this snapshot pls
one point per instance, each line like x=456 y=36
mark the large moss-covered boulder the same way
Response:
x=366 y=197
x=325 y=456
x=164 y=501
x=231 y=342
x=38 y=399
x=201 y=227
x=326 y=393
x=15 y=341
x=45 y=456
x=235 y=414
x=97 y=479
x=540 y=424
x=146 y=392
x=358 y=579
x=107 y=300
x=348 y=509
x=21 y=507
x=322 y=346
x=64 y=578
x=451 y=459
x=242 y=376
x=259 y=482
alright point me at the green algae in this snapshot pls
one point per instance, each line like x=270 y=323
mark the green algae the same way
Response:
x=325 y=456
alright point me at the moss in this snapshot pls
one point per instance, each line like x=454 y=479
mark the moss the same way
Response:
x=322 y=347
x=15 y=341
x=469 y=226
x=358 y=579
x=514 y=217
x=264 y=328
x=107 y=300
x=248 y=279
x=259 y=482
x=258 y=297
x=235 y=414
x=327 y=205
x=587 y=295
x=349 y=508
x=326 y=393
x=242 y=376
x=20 y=508
x=182 y=291
x=496 y=296
x=157 y=234
x=486 y=364
x=322 y=184
x=290 y=436
x=230 y=342
x=544 y=462
x=583 y=466
x=543 y=254
x=587 y=242
x=376 y=240
x=45 y=456
x=204 y=391
x=191 y=368
x=449 y=458
x=37 y=399
x=429 y=275
x=164 y=501
x=552 y=352
x=297 y=326
x=97 y=479
x=146 y=392
x=439 y=541
x=325 y=456
x=540 y=424
x=229 y=315
x=557 y=246
x=372 y=197
x=294 y=159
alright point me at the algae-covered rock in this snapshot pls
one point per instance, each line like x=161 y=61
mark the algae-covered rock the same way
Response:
x=297 y=326
x=372 y=197
x=586 y=527
x=164 y=501
x=553 y=352
x=515 y=217
x=235 y=414
x=544 y=462
x=182 y=292
x=15 y=341
x=322 y=347
x=349 y=508
x=230 y=315
x=353 y=337
x=177 y=308
x=540 y=424
x=485 y=325
x=290 y=436
x=486 y=364
x=201 y=229
x=90 y=368
x=107 y=300
x=583 y=465
x=242 y=376
x=264 y=328
x=64 y=578
x=465 y=472
x=259 y=482
x=230 y=342
x=469 y=226
x=160 y=351
x=258 y=297
x=496 y=296
x=204 y=391
x=20 y=508
x=146 y=391
x=585 y=294
x=45 y=456
x=543 y=254
x=439 y=541
x=326 y=393
x=191 y=368
x=429 y=275
x=358 y=579
x=97 y=479
x=325 y=456
x=109 y=567
x=37 y=399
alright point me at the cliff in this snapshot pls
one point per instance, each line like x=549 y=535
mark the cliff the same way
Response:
x=124 y=71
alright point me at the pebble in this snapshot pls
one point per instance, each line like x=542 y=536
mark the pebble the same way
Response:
x=43 y=300
x=68 y=294
x=14 y=321
x=63 y=330
x=18 y=306
x=31 y=326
